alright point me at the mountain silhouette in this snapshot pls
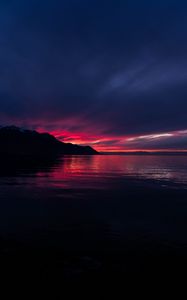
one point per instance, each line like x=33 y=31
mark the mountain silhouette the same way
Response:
x=15 y=141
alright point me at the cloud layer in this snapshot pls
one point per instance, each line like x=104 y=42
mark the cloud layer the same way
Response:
x=98 y=72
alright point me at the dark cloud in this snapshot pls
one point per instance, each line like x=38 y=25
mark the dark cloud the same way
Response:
x=112 y=67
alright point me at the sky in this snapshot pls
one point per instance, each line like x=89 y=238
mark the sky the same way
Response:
x=107 y=73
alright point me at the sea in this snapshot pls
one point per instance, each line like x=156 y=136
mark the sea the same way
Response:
x=102 y=214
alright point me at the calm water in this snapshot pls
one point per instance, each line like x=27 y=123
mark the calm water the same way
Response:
x=86 y=202
x=97 y=171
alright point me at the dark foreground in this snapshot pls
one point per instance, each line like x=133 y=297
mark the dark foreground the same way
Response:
x=131 y=248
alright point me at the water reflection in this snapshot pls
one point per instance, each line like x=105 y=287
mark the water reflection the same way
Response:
x=10 y=167
x=94 y=171
x=75 y=201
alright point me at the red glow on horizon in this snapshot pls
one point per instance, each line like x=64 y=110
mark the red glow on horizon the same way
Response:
x=96 y=136
x=101 y=143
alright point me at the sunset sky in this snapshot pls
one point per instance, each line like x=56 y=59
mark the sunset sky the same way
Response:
x=108 y=73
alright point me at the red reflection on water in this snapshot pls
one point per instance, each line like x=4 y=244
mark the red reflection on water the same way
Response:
x=94 y=171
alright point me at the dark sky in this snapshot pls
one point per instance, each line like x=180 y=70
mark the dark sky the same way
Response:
x=111 y=73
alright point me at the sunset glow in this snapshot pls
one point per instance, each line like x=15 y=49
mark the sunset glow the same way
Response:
x=101 y=74
x=106 y=143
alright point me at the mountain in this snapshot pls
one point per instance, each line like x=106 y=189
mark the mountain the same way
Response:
x=15 y=141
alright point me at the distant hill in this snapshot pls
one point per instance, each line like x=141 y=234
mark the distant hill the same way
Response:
x=15 y=141
x=153 y=153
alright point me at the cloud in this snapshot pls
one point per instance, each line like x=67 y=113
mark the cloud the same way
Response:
x=105 y=70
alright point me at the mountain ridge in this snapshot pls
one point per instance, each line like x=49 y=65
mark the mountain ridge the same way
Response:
x=17 y=141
